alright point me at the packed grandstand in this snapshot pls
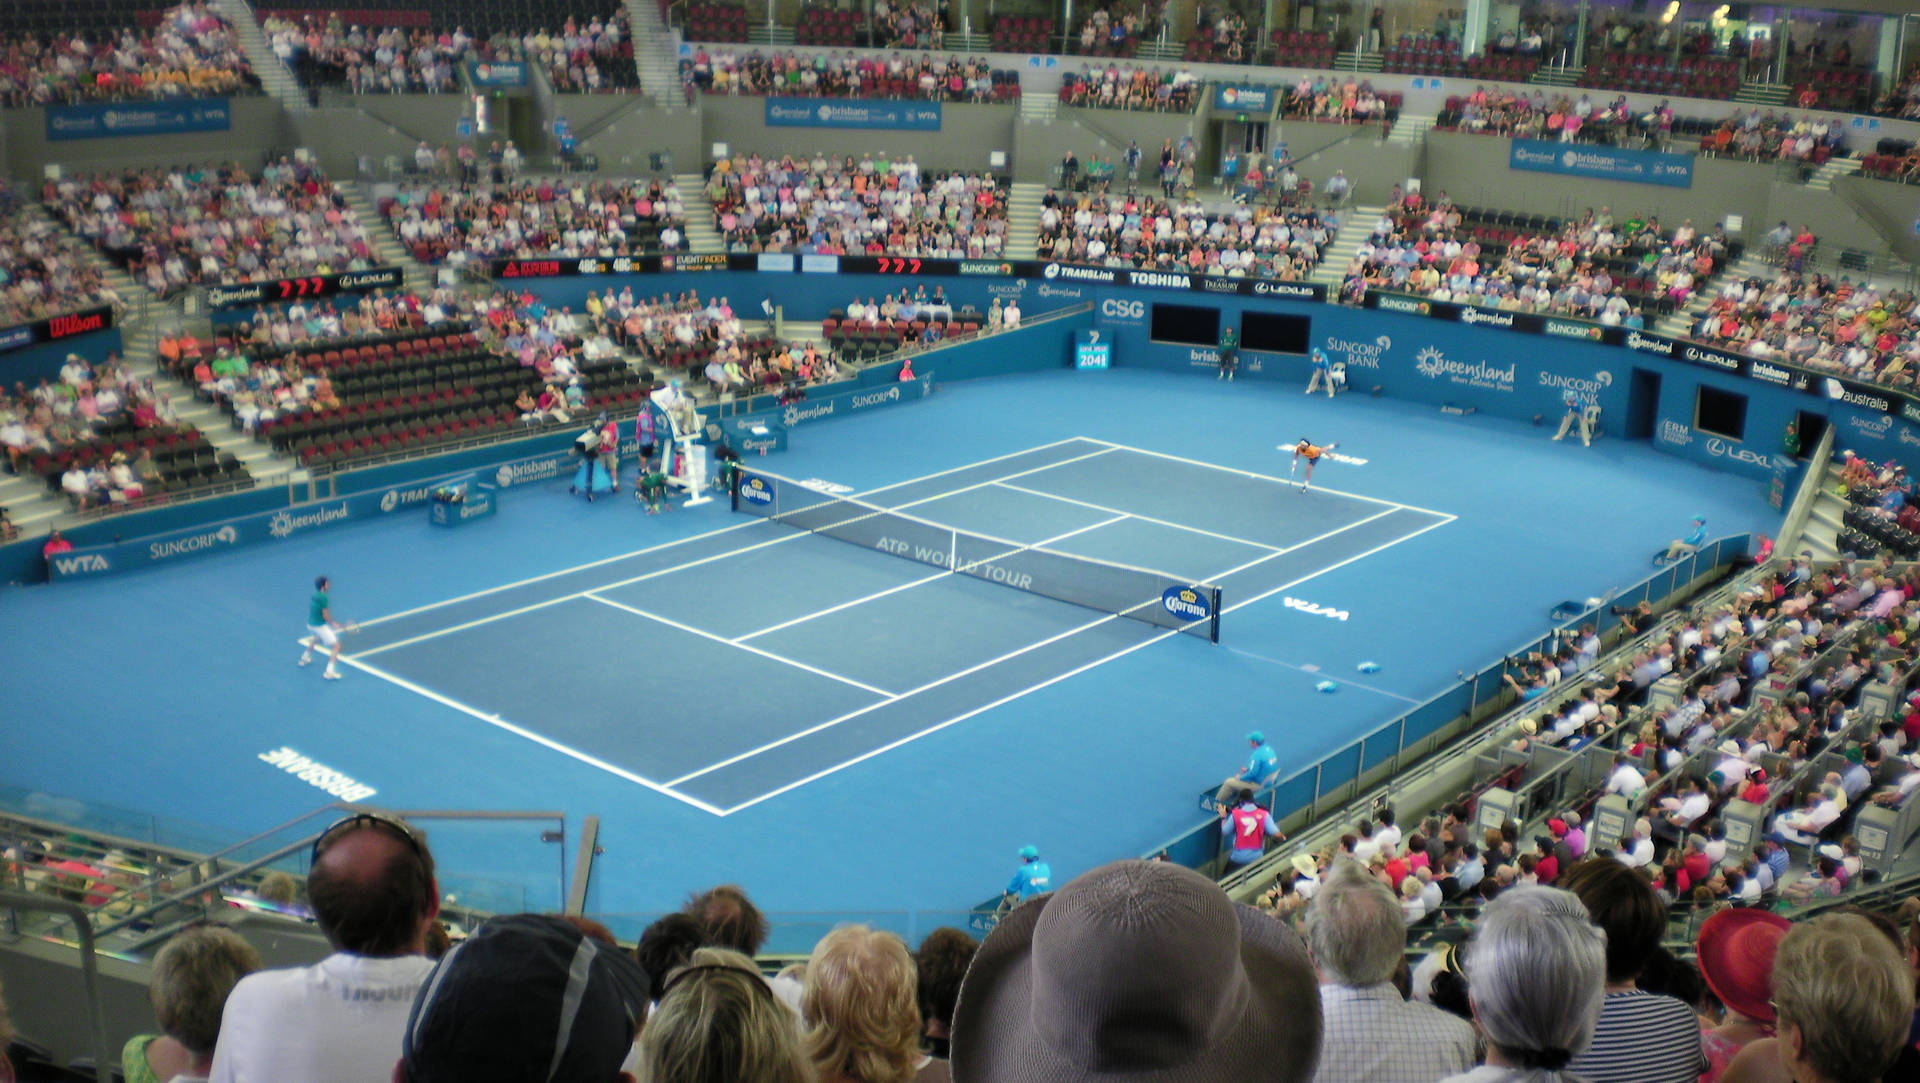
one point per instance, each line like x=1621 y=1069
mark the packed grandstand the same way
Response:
x=1665 y=841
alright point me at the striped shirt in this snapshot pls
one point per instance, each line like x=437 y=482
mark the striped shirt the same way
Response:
x=1373 y=1036
x=1642 y=1037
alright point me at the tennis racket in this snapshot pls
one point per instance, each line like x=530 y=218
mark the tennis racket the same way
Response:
x=350 y=627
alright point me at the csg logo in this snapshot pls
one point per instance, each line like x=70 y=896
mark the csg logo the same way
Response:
x=1186 y=603
x=1116 y=309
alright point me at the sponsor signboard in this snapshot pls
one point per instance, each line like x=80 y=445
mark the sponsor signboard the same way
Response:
x=287 y=289
x=1601 y=163
x=67 y=122
x=908 y=116
x=490 y=74
x=1242 y=97
x=55 y=328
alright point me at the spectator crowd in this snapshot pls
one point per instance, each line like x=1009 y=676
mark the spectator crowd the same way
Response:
x=1248 y=240
x=1853 y=329
x=1595 y=266
x=872 y=205
x=1173 y=90
x=547 y=217
x=190 y=53
x=952 y=78
x=44 y=270
x=208 y=225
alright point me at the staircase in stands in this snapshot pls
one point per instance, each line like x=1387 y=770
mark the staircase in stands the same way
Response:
x=700 y=231
x=1825 y=519
x=1679 y=324
x=275 y=79
x=1023 y=219
x=1409 y=129
x=1822 y=179
x=1356 y=222
x=656 y=51
x=387 y=249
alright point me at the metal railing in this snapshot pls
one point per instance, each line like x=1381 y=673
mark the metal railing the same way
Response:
x=1370 y=767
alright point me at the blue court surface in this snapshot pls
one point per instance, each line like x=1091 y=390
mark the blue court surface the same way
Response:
x=837 y=727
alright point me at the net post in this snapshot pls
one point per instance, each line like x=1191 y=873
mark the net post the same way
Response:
x=1213 y=621
x=733 y=490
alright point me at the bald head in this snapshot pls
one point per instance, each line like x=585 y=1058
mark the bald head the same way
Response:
x=373 y=892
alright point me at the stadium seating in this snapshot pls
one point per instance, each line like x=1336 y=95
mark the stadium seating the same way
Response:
x=962 y=215
x=1131 y=87
x=53 y=54
x=711 y=20
x=915 y=76
x=208 y=225
x=543 y=217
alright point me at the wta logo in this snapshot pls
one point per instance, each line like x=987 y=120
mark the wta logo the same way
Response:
x=1186 y=603
x=756 y=491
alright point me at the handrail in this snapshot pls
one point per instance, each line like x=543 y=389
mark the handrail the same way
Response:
x=1460 y=748
x=103 y=1058
x=1812 y=483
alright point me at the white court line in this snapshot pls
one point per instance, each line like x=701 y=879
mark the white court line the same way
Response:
x=520 y=731
x=849 y=716
x=949 y=678
x=769 y=655
x=738 y=640
x=575 y=596
x=681 y=567
x=1264 y=477
x=708 y=534
x=910 y=738
x=1136 y=515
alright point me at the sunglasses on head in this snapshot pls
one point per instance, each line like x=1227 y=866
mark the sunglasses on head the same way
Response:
x=392 y=825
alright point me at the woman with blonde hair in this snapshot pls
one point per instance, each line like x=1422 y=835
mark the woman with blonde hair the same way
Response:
x=862 y=1011
x=717 y=1021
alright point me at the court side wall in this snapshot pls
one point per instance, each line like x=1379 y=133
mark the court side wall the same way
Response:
x=30 y=364
x=1513 y=375
x=1486 y=368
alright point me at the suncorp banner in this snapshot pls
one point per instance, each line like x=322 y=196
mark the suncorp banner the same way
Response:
x=840 y=113
x=1601 y=163
x=65 y=122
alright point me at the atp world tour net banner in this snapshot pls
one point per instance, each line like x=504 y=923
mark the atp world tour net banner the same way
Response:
x=65 y=122
x=814 y=113
x=1601 y=163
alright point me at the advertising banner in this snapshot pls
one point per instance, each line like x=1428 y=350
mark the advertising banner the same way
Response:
x=67 y=122
x=288 y=289
x=838 y=113
x=1601 y=163
x=489 y=74
x=55 y=328
x=1242 y=98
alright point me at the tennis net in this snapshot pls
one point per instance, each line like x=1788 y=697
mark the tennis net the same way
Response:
x=1140 y=594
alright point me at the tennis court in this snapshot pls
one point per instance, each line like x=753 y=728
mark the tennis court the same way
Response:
x=737 y=665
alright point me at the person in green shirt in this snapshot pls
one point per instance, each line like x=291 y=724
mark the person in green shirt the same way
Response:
x=1229 y=353
x=652 y=487
x=322 y=629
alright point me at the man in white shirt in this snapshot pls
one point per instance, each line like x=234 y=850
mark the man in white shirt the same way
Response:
x=340 y=1020
x=1626 y=779
x=1356 y=935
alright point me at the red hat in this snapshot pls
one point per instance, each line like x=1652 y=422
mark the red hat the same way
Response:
x=1736 y=959
x=1557 y=826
